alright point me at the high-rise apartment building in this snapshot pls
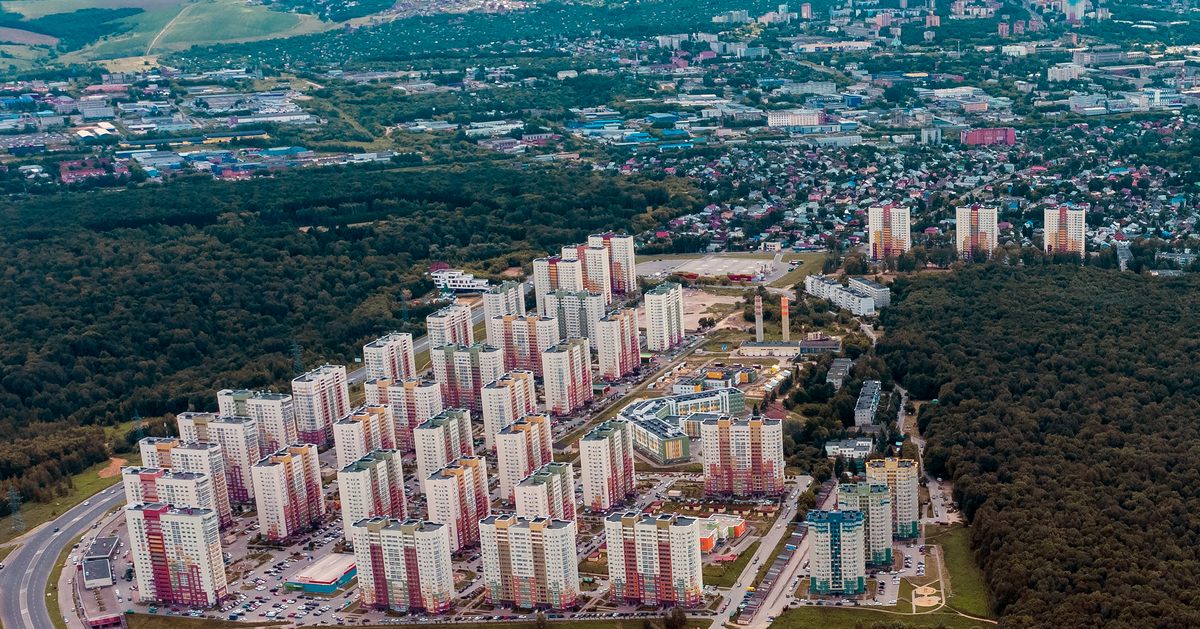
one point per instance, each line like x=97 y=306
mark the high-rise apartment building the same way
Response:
x=461 y=371
x=553 y=274
x=321 y=397
x=617 y=347
x=654 y=560
x=901 y=477
x=664 y=317
x=621 y=255
x=274 y=412
x=567 y=376
x=578 y=313
x=549 y=492
x=523 y=338
x=239 y=441
x=888 y=231
x=508 y=298
x=412 y=401
x=837 y=559
x=368 y=428
x=522 y=447
x=372 y=486
x=441 y=439
x=742 y=457
x=1065 y=230
x=201 y=458
x=457 y=496
x=287 y=491
x=178 y=489
x=529 y=564
x=874 y=500
x=975 y=229
x=403 y=565
x=176 y=555
x=390 y=356
x=506 y=400
x=451 y=325
x=606 y=464
x=597 y=268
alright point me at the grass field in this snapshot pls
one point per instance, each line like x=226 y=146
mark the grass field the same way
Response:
x=855 y=617
x=33 y=9
x=726 y=575
x=812 y=264
x=84 y=486
x=52 y=585
x=969 y=591
x=154 y=621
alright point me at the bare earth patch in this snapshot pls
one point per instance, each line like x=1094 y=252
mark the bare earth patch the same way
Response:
x=113 y=468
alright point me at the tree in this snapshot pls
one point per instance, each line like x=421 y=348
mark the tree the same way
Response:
x=540 y=621
x=675 y=619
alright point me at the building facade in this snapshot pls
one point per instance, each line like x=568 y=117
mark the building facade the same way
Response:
x=403 y=565
x=523 y=338
x=321 y=397
x=178 y=489
x=451 y=325
x=901 y=477
x=597 y=268
x=372 y=486
x=622 y=258
x=274 y=412
x=742 y=457
x=664 y=317
x=618 y=350
x=239 y=440
x=462 y=370
x=201 y=458
x=549 y=492
x=457 y=496
x=505 y=400
x=888 y=231
x=390 y=356
x=578 y=313
x=413 y=401
x=654 y=560
x=522 y=447
x=567 y=376
x=367 y=429
x=837 y=560
x=1065 y=230
x=975 y=229
x=507 y=298
x=529 y=563
x=553 y=274
x=874 y=501
x=288 y=496
x=441 y=439
x=176 y=553
x=606 y=464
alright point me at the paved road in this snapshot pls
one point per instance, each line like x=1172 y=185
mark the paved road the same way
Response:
x=27 y=570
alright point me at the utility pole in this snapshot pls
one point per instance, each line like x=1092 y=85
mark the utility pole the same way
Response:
x=14 y=510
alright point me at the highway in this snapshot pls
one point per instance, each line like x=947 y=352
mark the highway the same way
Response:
x=27 y=570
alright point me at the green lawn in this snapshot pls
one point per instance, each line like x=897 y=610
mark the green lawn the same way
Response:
x=52 y=586
x=727 y=574
x=812 y=264
x=6 y=551
x=968 y=588
x=33 y=9
x=84 y=485
x=856 y=617
x=155 y=621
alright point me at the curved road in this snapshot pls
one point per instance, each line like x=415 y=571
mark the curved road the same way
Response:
x=27 y=570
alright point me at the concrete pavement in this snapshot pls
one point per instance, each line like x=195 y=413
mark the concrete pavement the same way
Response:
x=27 y=570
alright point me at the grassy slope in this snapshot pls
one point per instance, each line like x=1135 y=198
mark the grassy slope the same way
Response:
x=969 y=591
x=852 y=618
x=84 y=486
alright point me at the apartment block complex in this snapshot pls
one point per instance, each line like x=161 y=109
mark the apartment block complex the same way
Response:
x=549 y=492
x=201 y=458
x=462 y=370
x=274 y=412
x=874 y=500
x=900 y=475
x=176 y=554
x=287 y=490
x=321 y=397
x=975 y=229
x=441 y=439
x=372 y=486
x=403 y=565
x=451 y=325
x=507 y=298
x=654 y=560
x=553 y=274
x=505 y=400
x=617 y=347
x=859 y=302
x=567 y=376
x=578 y=313
x=597 y=268
x=368 y=428
x=412 y=401
x=742 y=457
x=664 y=317
x=621 y=256
x=606 y=464
x=390 y=356
x=522 y=447
x=457 y=496
x=888 y=231
x=523 y=338
x=239 y=441
x=529 y=563
x=837 y=559
x=1065 y=230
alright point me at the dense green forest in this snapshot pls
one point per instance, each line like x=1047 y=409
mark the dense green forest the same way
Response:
x=438 y=35
x=1068 y=401
x=149 y=299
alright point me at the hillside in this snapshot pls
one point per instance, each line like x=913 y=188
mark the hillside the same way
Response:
x=1067 y=405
